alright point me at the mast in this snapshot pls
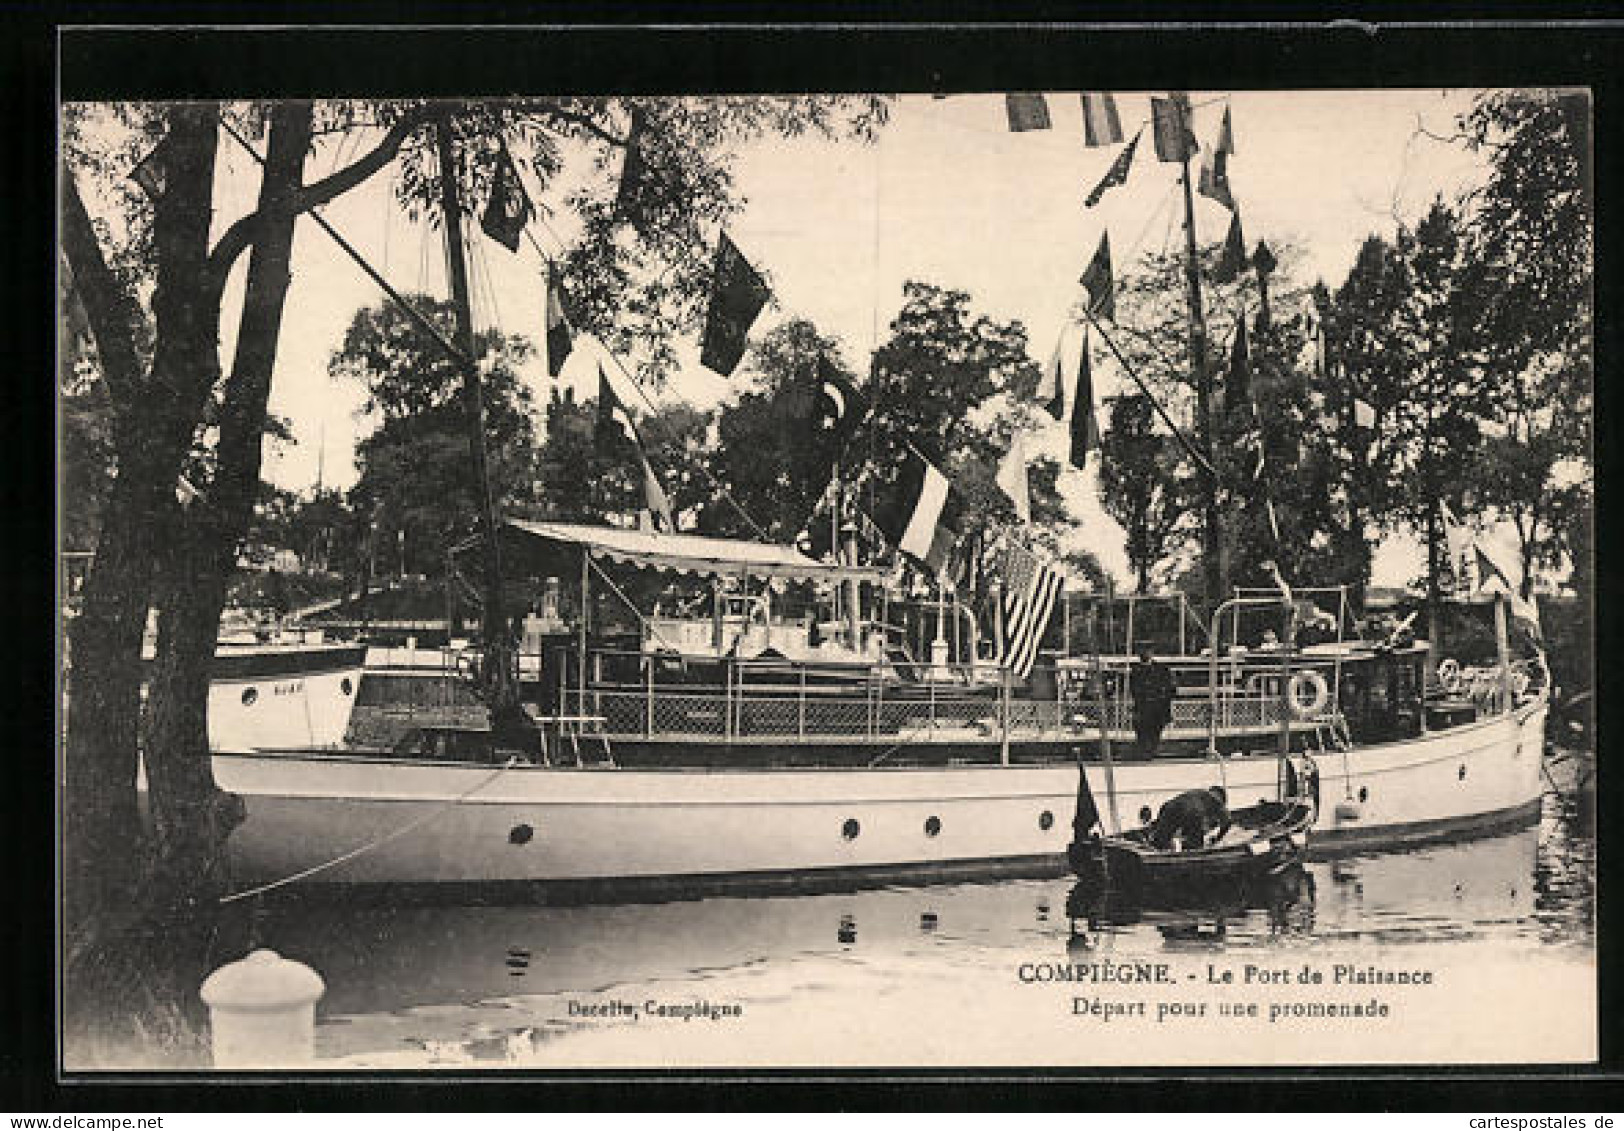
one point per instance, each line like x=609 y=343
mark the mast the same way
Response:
x=501 y=692
x=854 y=609
x=1217 y=572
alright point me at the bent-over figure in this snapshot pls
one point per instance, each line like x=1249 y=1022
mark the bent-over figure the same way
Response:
x=1192 y=819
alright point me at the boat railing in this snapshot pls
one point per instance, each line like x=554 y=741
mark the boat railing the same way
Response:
x=758 y=702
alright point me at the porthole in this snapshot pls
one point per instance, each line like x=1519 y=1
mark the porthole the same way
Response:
x=1045 y=820
x=1364 y=794
x=249 y=697
x=521 y=834
x=345 y=685
x=933 y=825
x=850 y=829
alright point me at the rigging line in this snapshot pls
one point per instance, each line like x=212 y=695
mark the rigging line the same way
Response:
x=1167 y=232
x=1150 y=343
x=627 y=601
x=388 y=214
x=338 y=154
x=874 y=290
x=637 y=385
x=493 y=291
x=1184 y=441
x=484 y=281
x=550 y=230
x=1156 y=213
x=726 y=494
x=423 y=321
x=714 y=482
x=537 y=247
x=422 y=286
x=379 y=842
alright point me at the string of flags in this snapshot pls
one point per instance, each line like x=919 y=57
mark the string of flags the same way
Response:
x=737 y=297
x=1117 y=174
x=558 y=334
x=923 y=519
x=1030 y=586
x=1232 y=260
x=152 y=172
x=1101 y=123
x=1473 y=568
x=1098 y=281
x=508 y=208
x=921 y=513
x=615 y=433
x=924 y=515
x=1213 y=180
x=1026 y=112
x=1173 y=128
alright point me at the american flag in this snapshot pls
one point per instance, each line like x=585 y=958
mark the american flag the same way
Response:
x=1030 y=587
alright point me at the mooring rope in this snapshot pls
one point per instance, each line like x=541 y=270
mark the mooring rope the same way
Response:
x=414 y=823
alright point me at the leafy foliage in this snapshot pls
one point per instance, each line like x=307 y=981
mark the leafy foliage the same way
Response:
x=771 y=451
x=1152 y=486
x=578 y=481
x=956 y=386
x=1145 y=485
x=632 y=259
x=415 y=473
x=1531 y=249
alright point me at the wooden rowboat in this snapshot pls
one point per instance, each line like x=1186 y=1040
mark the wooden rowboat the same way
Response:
x=1263 y=840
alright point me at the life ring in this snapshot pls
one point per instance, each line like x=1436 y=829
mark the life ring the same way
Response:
x=1317 y=694
x=1449 y=676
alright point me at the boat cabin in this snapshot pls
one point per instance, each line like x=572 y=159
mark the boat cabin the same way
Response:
x=668 y=644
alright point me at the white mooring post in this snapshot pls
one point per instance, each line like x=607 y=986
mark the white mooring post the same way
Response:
x=262 y=1011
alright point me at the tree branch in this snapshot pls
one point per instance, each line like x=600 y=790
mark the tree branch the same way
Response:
x=237 y=238
x=111 y=309
x=586 y=123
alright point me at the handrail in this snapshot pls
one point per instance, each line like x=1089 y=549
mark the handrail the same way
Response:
x=1236 y=603
x=865 y=712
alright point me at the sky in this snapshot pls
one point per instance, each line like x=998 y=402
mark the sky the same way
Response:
x=946 y=195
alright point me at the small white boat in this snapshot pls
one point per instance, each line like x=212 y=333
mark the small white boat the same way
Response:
x=294 y=695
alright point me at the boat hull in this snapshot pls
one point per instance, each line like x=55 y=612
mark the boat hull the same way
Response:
x=606 y=831
x=273 y=697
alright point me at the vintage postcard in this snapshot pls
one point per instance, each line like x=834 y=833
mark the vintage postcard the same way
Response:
x=1042 y=577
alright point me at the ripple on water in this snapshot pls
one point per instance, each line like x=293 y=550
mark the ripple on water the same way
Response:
x=483 y=985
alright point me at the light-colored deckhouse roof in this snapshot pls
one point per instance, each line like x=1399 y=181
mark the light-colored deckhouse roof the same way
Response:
x=688 y=553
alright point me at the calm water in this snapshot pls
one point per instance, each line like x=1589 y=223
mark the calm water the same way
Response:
x=962 y=974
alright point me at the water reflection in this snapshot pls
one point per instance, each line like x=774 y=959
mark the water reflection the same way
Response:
x=1564 y=880
x=454 y=984
x=1279 y=906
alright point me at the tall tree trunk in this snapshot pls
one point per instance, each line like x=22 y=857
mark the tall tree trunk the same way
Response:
x=156 y=420
x=191 y=817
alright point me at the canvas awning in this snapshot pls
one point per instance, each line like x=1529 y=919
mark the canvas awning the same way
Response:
x=676 y=553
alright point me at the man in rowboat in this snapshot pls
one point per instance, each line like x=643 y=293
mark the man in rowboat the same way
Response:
x=1186 y=821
